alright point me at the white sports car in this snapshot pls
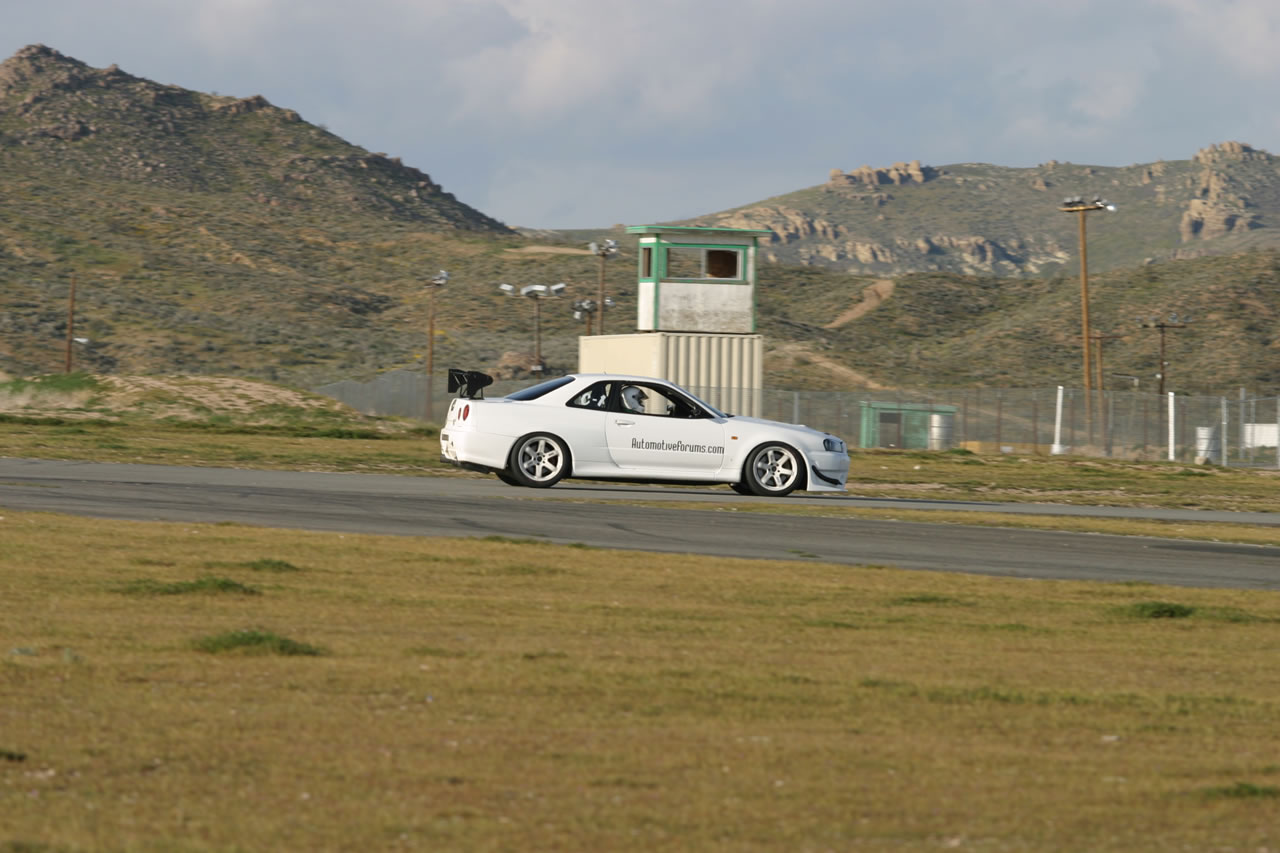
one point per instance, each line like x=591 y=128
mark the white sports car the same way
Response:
x=607 y=427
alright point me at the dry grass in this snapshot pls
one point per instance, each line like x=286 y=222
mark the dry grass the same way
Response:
x=500 y=695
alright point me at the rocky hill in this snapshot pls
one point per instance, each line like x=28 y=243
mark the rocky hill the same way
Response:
x=226 y=236
x=107 y=125
x=978 y=219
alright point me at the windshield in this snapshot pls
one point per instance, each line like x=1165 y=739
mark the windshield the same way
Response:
x=710 y=408
x=533 y=392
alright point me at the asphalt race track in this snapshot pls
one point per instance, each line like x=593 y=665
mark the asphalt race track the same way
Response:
x=599 y=515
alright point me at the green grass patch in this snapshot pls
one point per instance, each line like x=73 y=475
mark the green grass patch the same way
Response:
x=829 y=623
x=926 y=598
x=255 y=642
x=53 y=383
x=1243 y=791
x=204 y=585
x=513 y=540
x=1157 y=610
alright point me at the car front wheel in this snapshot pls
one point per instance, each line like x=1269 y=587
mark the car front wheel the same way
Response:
x=773 y=470
x=539 y=460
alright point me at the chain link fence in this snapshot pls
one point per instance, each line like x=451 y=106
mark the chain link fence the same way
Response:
x=1117 y=424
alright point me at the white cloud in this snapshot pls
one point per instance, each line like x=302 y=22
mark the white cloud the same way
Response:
x=572 y=112
x=1244 y=34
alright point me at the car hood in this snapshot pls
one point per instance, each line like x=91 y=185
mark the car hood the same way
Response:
x=800 y=429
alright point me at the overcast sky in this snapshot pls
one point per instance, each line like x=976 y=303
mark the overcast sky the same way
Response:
x=585 y=113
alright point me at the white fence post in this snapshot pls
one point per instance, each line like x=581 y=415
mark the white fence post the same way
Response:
x=1222 y=451
x=1058 y=449
x=1173 y=430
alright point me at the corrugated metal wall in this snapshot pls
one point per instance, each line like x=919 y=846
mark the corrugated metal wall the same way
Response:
x=725 y=370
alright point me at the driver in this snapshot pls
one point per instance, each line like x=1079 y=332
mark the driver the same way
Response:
x=633 y=399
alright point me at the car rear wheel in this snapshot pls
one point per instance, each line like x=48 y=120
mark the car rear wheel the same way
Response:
x=508 y=479
x=539 y=460
x=773 y=470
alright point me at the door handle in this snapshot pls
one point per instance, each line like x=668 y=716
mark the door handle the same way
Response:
x=625 y=423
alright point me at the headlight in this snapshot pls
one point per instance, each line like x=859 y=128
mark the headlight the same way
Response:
x=834 y=445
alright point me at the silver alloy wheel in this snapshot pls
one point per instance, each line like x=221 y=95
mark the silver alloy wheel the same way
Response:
x=539 y=460
x=773 y=470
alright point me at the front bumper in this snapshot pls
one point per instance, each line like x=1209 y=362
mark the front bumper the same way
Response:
x=828 y=471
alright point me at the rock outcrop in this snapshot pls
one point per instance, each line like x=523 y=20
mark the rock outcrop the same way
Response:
x=898 y=173
x=1219 y=206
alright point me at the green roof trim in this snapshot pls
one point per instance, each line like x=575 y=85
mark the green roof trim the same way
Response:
x=697 y=229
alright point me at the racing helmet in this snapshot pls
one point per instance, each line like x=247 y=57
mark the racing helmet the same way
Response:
x=633 y=398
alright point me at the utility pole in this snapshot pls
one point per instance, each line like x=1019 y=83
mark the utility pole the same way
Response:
x=1172 y=323
x=435 y=283
x=1081 y=207
x=71 y=324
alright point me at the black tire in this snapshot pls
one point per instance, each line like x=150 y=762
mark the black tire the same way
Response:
x=508 y=479
x=773 y=470
x=539 y=460
x=741 y=488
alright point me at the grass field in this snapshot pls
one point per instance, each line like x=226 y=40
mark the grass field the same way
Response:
x=216 y=687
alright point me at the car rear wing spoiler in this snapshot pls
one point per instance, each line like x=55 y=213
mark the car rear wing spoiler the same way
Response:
x=469 y=384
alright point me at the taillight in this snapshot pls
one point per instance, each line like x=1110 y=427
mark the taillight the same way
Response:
x=466 y=410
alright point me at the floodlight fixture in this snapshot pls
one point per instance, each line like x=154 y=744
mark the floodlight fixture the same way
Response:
x=536 y=293
x=604 y=251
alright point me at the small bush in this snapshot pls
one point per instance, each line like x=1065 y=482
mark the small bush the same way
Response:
x=255 y=642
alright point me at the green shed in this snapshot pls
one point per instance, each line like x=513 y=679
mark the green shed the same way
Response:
x=908 y=426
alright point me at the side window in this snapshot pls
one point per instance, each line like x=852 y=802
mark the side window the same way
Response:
x=595 y=397
x=656 y=401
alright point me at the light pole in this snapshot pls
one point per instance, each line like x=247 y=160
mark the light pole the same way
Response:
x=585 y=309
x=536 y=292
x=1155 y=323
x=603 y=251
x=1081 y=207
x=437 y=281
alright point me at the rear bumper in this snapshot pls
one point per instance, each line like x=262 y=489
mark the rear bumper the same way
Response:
x=467 y=466
x=474 y=451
